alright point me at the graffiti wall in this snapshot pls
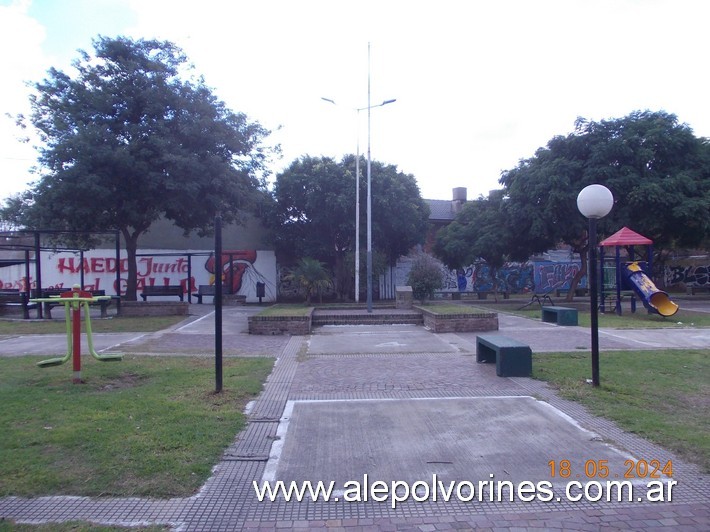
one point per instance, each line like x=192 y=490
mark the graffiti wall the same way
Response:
x=687 y=273
x=513 y=277
x=241 y=269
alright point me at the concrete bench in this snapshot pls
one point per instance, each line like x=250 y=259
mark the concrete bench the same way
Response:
x=559 y=315
x=512 y=358
x=162 y=291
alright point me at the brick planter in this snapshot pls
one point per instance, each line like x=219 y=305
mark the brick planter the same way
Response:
x=271 y=325
x=154 y=308
x=464 y=322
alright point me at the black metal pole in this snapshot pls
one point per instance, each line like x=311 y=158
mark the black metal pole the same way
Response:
x=595 y=303
x=189 y=277
x=38 y=273
x=218 y=303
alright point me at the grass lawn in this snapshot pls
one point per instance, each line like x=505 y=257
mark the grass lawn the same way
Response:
x=107 y=325
x=663 y=396
x=145 y=426
x=452 y=308
x=286 y=310
x=641 y=319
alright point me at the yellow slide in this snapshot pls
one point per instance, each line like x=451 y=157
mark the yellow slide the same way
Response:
x=653 y=299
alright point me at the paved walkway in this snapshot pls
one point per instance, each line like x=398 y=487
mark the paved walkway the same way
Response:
x=399 y=403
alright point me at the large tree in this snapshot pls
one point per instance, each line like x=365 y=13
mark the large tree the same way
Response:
x=478 y=232
x=314 y=212
x=658 y=171
x=129 y=137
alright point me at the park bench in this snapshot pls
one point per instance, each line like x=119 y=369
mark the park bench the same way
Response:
x=204 y=290
x=47 y=306
x=512 y=358
x=559 y=315
x=13 y=298
x=162 y=291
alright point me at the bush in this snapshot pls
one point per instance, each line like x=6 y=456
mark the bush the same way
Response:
x=425 y=277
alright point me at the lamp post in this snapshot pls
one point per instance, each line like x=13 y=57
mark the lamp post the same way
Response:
x=594 y=202
x=357 y=202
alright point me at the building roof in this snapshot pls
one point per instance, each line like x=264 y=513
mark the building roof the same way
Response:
x=626 y=237
x=441 y=210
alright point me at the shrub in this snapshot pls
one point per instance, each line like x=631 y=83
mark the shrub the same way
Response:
x=426 y=276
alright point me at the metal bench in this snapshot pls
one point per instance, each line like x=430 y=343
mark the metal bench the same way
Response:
x=13 y=298
x=559 y=315
x=47 y=306
x=204 y=290
x=512 y=358
x=162 y=291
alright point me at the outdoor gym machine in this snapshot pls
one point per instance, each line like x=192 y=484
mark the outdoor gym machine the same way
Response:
x=73 y=301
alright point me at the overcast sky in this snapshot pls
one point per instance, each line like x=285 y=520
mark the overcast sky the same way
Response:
x=479 y=84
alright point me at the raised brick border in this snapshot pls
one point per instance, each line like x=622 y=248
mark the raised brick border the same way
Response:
x=154 y=308
x=464 y=322
x=270 y=325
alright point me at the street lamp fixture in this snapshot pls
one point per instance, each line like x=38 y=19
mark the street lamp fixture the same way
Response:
x=594 y=202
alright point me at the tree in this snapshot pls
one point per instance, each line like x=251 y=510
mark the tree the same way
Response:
x=311 y=277
x=314 y=212
x=478 y=232
x=127 y=140
x=656 y=168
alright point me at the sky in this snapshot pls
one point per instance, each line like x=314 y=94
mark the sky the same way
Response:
x=479 y=85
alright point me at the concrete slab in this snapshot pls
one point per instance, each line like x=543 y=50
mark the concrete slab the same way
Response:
x=351 y=339
x=56 y=344
x=511 y=438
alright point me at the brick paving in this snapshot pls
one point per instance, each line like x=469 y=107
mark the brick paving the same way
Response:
x=227 y=500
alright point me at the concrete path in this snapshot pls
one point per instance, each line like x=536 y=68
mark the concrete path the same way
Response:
x=396 y=404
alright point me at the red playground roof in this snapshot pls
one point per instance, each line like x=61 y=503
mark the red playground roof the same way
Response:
x=626 y=237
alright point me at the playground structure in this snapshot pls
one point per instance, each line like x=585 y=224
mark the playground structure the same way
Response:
x=74 y=300
x=632 y=278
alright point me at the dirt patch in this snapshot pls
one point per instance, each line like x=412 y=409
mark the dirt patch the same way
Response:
x=123 y=381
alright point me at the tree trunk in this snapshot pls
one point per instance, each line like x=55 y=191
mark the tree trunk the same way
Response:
x=131 y=241
x=578 y=276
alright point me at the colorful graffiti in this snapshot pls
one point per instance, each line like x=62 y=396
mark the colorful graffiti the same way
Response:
x=242 y=268
x=511 y=277
x=556 y=275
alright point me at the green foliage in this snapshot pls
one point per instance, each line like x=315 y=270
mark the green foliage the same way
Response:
x=658 y=171
x=145 y=426
x=126 y=140
x=313 y=213
x=312 y=278
x=478 y=232
x=426 y=276
x=659 y=395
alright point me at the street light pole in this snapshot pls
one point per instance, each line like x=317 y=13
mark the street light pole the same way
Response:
x=594 y=202
x=369 y=197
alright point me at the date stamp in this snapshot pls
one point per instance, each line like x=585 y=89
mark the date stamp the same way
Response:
x=633 y=469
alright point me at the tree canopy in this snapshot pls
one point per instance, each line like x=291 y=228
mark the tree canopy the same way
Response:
x=314 y=211
x=129 y=138
x=657 y=170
